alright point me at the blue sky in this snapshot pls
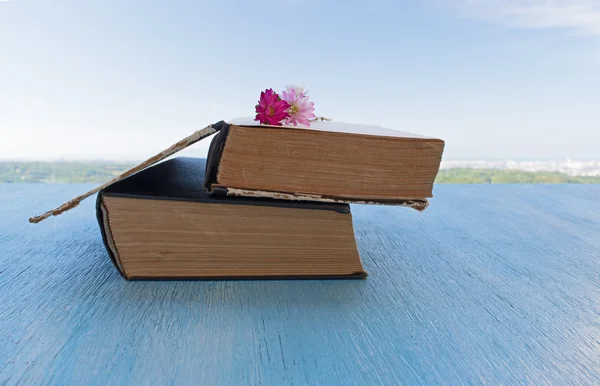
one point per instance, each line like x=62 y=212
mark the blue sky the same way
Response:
x=516 y=79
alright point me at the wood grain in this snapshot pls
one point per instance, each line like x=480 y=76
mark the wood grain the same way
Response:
x=492 y=284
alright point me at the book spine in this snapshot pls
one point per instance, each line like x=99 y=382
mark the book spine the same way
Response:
x=107 y=238
x=215 y=152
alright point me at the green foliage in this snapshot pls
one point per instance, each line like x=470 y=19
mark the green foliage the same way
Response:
x=98 y=172
x=502 y=176
x=60 y=172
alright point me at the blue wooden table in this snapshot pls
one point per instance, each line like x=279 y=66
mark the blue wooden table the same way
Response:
x=492 y=284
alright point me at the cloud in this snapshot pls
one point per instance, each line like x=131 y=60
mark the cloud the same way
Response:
x=580 y=16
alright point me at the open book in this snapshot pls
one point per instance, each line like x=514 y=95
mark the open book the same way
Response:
x=329 y=162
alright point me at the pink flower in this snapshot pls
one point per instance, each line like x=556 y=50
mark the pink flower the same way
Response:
x=271 y=109
x=301 y=109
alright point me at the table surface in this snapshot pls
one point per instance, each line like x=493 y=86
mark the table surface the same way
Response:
x=491 y=284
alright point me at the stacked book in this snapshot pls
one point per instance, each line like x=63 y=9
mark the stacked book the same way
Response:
x=268 y=202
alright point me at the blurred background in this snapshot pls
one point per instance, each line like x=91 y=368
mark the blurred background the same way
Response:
x=90 y=87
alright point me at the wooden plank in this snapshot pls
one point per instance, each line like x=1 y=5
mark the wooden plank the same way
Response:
x=491 y=284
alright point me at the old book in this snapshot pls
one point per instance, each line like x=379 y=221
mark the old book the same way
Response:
x=160 y=223
x=328 y=161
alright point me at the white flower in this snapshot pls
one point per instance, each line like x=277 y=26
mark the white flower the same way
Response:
x=298 y=89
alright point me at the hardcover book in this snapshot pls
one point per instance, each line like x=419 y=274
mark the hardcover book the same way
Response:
x=161 y=224
x=329 y=161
